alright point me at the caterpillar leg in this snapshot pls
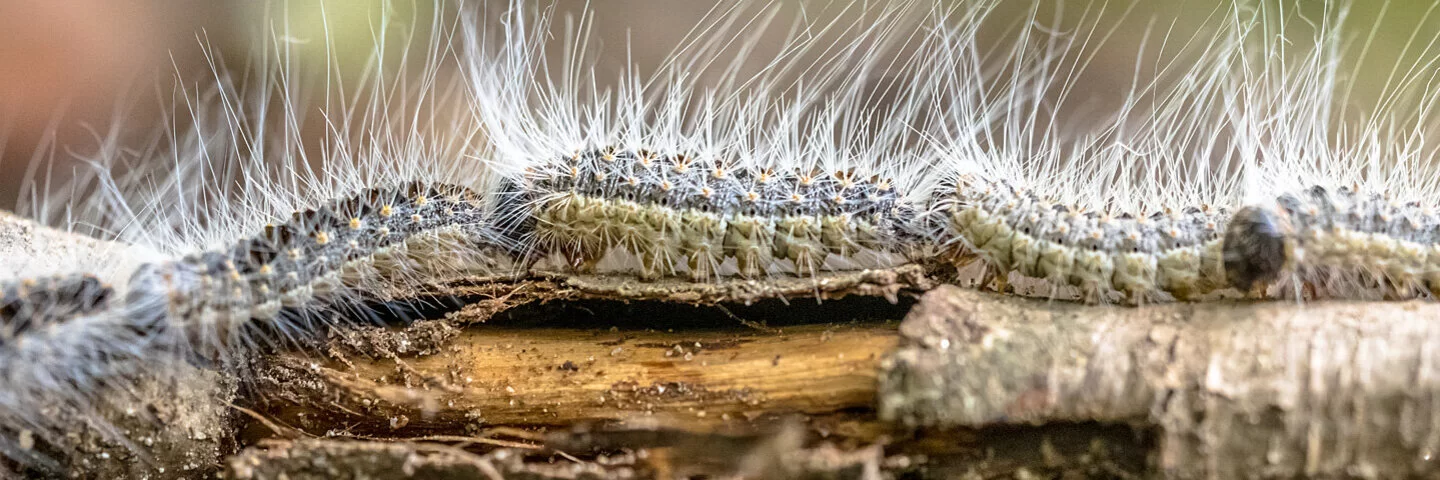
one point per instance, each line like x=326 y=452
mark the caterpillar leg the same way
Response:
x=1002 y=280
x=704 y=266
x=1183 y=294
x=807 y=262
x=987 y=275
x=752 y=264
x=651 y=267
x=1137 y=298
x=1401 y=290
x=960 y=260
x=581 y=260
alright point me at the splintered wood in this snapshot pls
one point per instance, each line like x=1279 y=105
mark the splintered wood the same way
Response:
x=537 y=376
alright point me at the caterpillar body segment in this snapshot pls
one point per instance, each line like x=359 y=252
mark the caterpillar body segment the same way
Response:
x=684 y=215
x=65 y=343
x=36 y=303
x=325 y=258
x=1138 y=256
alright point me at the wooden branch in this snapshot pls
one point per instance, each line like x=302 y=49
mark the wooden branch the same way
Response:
x=1234 y=389
x=706 y=409
x=526 y=376
x=1073 y=452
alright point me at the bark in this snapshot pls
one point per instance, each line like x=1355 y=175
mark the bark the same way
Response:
x=1233 y=390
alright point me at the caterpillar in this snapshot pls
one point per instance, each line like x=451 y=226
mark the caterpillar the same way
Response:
x=679 y=212
x=1341 y=204
x=39 y=364
x=1257 y=148
x=725 y=188
x=1129 y=206
x=377 y=233
x=885 y=137
x=751 y=177
x=253 y=232
x=1175 y=252
x=1342 y=242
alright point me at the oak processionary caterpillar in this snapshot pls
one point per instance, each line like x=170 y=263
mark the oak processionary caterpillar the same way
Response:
x=1341 y=201
x=1302 y=198
x=675 y=212
x=1178 y=253
x=513 y=167
x=1343 y=243
x=753 y=177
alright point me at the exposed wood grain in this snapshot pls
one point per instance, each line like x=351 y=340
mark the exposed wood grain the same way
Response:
x=535 y=376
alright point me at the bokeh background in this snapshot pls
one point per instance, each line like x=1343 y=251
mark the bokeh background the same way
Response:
x=66 y=66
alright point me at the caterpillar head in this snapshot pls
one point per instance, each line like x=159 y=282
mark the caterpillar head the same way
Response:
x=1254 y=247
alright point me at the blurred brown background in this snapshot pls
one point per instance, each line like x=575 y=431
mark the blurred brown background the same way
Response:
x=64 y=66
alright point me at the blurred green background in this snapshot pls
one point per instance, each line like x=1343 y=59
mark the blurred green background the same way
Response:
x=65 y=65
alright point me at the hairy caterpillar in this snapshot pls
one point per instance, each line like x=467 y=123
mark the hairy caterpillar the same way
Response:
x=1339 y=243
x=1271 y=157
x=255 y=232
x=670 y=176
x=71 y=347
x=1128 y=205
x=667 y=175
x=310 y=260
x=676 y=212
x=1342 y=203
x=722 y=186
x=1175 y=252
x=39 y=366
